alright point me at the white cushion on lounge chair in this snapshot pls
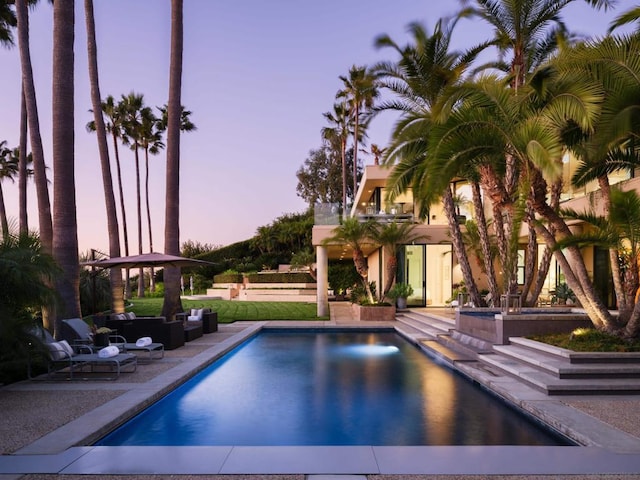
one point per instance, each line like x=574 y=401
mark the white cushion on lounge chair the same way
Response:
x=196 y=314
x=143 y=342
x=110 y=351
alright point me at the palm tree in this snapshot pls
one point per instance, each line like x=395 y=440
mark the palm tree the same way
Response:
x=526 y=33
x=39 y=167
x=7 y=23
x=131 y=108
x=376 y=151
x=355 y=234
x=336 y=134
x=151 y=142
x=26 y=276
x=115 y=127
x=186 y=125
x=8 y=170
x=629 y=16
x=65 y=227
x=427 y=69
x=172 y=303
x=390 y=236
x=360 y=91
x=117 y=299
x=619 y=229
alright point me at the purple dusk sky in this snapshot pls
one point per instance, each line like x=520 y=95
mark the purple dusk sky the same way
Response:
x=257 y=75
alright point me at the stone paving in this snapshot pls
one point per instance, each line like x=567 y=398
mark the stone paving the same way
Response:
x=45 y=418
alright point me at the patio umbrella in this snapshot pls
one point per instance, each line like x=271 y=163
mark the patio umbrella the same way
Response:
x=147 y=260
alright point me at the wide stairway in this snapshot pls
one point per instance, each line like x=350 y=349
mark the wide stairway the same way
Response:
x=552 y=370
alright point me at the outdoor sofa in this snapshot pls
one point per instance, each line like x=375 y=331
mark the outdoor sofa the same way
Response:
x=131 y=327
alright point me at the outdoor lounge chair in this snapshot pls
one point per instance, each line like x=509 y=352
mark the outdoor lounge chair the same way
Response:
x=154 y=350
x=62 y=360
x=78 y=332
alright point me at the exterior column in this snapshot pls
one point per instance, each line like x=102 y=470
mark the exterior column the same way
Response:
x=322 y=285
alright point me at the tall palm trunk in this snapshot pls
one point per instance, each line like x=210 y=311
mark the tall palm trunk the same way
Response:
x=45 y=223
x=65 y=227
x=125 y=233
x=117 y=300
x=343 y=153
x=3 y=216
x=573 y=267
x=172 y=303
x=545 y=262
x=458 y=246
x=152 y=280
x=22 y=167
x=485 y=243
x=356 y=127
x=139 y=210
x=39 y=168
x=625 y=305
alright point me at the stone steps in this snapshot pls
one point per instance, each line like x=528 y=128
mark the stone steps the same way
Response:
x=552 y=385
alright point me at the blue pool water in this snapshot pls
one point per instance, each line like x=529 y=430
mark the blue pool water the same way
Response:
x=328 y=388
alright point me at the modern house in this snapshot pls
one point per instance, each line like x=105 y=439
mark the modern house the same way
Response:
x=430 y=266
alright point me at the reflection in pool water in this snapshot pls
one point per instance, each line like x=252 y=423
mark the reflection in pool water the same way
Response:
x=328 y=388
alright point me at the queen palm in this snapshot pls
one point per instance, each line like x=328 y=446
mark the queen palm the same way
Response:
x=337 y=134
x=427 y=68
x=131 y=109
x=619 y=229
x=526 y=33
x=391 y=236
x=612 y=145
x=360 y=91
x=172 y=302
x=117 y=300
x=356 y=234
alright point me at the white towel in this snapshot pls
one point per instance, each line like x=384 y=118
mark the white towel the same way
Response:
x=110 y=351
x=143 y=342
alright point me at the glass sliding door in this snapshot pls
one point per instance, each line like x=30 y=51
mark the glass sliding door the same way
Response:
x=427 y=268
x=438 y=275
x=414 y=274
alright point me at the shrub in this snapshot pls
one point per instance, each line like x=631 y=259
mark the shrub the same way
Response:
x=297 y=277
x=231 y=277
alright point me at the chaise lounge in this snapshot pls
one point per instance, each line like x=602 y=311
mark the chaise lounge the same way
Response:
x=62 y=360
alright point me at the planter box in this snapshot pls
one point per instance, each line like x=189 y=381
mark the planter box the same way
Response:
x=367 y=313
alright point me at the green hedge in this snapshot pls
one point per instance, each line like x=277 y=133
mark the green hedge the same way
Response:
x=280 y=278
x=228 y=278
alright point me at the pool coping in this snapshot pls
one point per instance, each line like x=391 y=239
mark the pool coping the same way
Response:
x=607 y=450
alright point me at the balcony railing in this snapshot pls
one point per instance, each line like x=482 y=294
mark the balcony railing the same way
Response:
x=331 y=213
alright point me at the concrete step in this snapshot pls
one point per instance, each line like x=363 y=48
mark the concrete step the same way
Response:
x=430 y=325
x=563 y=368
x=577 y=357
x=552 y=385
x=477 y=344
x=444 y=353
x=449 y=341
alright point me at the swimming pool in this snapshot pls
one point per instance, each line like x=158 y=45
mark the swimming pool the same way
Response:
x=328 y=388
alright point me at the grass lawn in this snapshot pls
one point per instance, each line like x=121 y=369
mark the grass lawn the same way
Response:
x=589 y=340
x=230 y=311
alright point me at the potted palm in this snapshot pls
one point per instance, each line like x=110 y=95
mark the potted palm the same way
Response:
x=400 y=292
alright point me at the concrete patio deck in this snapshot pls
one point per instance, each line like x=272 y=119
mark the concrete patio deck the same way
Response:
x=46 y=429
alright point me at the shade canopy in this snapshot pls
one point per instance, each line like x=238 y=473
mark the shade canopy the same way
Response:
x=147 y=260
